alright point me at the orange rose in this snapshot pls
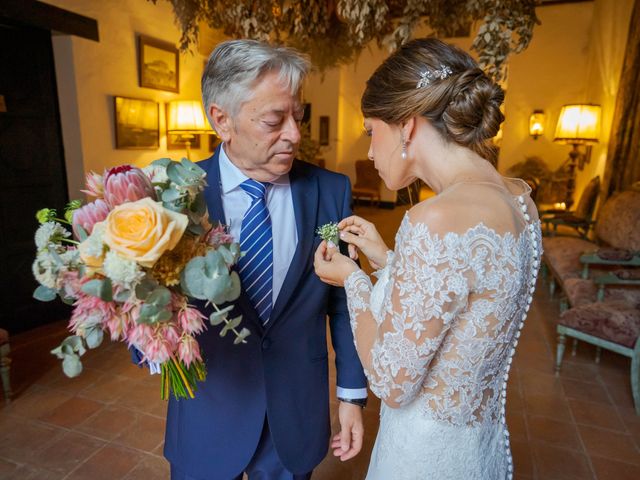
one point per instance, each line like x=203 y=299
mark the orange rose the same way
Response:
x=143 y=230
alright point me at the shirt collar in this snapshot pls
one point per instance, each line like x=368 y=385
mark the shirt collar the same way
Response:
x=231 y=176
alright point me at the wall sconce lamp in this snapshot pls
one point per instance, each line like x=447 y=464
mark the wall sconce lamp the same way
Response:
x=186 y=119
x=536 y=123
x=577 y=125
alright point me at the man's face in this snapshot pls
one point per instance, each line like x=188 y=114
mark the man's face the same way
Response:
x=262 y=139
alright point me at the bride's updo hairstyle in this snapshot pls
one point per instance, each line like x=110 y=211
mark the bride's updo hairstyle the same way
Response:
x=442 y=83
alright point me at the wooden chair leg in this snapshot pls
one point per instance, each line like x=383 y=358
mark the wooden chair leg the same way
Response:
x=562 y=339
x=574 y=347
x=598 y=354
x=552 y=287
x=5 y=366
x=544 y=270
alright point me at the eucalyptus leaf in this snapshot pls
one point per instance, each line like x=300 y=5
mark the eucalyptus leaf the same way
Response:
x=160 y=296
x=71 y=366
x=241 y=338
x=171 y=195
x=231 y=324
x=216 y=318
x=144 y=288
x=161 y=162
x=122 y=296
x=44 y=294
x=82 y=233
x=99 y=288
x=94 y=337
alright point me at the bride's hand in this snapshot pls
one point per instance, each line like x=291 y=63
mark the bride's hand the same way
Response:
x=357 y=232
x=331 y=266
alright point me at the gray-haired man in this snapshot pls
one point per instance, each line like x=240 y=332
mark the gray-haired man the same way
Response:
x=264 y=408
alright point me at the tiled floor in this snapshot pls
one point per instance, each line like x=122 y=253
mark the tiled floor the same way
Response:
x=108 y=423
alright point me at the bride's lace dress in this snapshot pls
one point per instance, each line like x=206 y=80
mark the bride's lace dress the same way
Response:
x=448 y=310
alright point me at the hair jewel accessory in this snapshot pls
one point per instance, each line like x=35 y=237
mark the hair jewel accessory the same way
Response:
x=425 y=77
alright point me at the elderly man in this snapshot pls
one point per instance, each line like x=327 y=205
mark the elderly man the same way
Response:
x=264 y=408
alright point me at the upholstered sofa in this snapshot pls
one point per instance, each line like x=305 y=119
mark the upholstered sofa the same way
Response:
x=600 y=283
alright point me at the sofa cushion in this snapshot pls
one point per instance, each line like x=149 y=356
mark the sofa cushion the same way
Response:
x=618 y=222
x=582 y=291
x=562 y=254
x=615 y=321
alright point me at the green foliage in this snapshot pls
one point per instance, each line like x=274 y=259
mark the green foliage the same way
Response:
x=329 y=232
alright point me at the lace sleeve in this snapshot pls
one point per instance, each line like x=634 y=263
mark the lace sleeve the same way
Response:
x=427 y=285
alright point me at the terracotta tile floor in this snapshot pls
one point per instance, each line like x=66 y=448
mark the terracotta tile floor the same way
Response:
x=109 y=422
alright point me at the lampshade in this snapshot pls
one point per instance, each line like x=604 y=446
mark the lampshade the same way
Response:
x=187 y=117
x=578 y=124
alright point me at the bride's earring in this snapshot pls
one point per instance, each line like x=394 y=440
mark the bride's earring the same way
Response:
x=403 y=155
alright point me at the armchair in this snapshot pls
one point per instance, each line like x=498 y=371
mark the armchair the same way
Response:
x=579 y=219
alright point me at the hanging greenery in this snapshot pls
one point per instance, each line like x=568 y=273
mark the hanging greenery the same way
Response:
x=333 y=32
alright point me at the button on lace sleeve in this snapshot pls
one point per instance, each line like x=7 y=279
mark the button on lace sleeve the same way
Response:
x=400 y=323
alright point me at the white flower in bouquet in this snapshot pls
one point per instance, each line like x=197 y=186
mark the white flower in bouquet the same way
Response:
x=50 y=232
x=123 y=272
x=45 y=269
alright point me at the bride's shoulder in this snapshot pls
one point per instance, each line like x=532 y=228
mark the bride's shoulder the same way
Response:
x=442 y=214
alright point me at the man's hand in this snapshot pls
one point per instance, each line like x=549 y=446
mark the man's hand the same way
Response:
x=348 y=443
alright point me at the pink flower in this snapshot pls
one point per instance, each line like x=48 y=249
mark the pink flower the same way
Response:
x=118 y=326
x=139 y=335
x=88 y=215
x=126 y=184
x=157 y=349
x=191 y=320
x=188 y=350
x=90 y=312
x=95 y=185
x=70 y=284
x=219 y=236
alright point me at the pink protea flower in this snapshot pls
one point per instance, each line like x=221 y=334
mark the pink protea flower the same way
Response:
x=126 y=184
x=157 y=349
x=95 y=185
x=90 y=312
x=219 y=236
x=139 y=335
x=191 y=320
x=88 y=215
x=118 y=326
x=188 y=350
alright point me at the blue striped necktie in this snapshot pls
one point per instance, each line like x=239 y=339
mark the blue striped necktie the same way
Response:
x=256 y=241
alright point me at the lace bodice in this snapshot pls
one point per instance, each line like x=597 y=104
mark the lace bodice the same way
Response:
x=448 y=311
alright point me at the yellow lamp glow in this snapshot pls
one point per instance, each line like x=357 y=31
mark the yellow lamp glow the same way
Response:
x=186 y=118
x=536 y=124
x=578 y=124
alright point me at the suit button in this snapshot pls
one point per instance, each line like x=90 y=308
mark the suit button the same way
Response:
x=266 y=344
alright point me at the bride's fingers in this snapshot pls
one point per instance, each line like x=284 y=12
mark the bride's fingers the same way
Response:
x=353 y=252
x=352 y=239
x=353 y=220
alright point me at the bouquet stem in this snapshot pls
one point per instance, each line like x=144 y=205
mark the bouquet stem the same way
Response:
x=179 y=379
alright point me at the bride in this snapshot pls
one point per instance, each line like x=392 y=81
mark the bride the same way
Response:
x=437 y=332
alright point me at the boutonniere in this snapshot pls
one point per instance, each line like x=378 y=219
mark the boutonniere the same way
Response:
x=329 y=232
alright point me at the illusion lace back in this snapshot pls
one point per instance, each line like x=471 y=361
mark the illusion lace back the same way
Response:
x=439 y=331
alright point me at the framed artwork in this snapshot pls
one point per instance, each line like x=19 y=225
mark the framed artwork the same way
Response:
x=175 y=142
x=158 y=64
x=323 y=131
x=306 y=116
x=214 y=141
x=137 y=123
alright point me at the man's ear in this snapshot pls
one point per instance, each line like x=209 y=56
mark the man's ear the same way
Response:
x=221 y=121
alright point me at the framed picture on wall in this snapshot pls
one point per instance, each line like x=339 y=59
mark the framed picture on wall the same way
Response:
x=137 y=124
x=158 y=64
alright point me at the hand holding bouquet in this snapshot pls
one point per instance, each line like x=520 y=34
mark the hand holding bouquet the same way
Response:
x=141 y=248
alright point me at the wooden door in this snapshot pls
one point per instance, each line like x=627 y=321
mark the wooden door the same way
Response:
x=32 y=169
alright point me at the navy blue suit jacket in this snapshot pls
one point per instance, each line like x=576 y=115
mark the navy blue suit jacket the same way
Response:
x=282 y=370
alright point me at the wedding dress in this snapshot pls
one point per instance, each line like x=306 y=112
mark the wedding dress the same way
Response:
x=443 y=321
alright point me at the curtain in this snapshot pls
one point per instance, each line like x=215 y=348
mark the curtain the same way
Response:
x=623 y=159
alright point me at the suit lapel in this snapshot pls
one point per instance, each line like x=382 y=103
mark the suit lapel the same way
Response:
x=213 y=196
x=304 y=192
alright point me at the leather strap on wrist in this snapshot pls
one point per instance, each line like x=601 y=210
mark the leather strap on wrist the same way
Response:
x=361 y=402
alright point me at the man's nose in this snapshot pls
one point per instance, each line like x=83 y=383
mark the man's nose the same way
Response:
x=291 y=131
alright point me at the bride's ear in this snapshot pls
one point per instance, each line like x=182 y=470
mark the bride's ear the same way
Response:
x=408 y=128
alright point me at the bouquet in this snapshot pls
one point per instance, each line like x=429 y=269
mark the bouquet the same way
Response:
x=129 y=261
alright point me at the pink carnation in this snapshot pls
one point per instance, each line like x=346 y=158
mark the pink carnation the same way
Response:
x=126 y=184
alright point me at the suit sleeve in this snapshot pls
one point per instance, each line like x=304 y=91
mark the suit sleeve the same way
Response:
x=351 y=380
